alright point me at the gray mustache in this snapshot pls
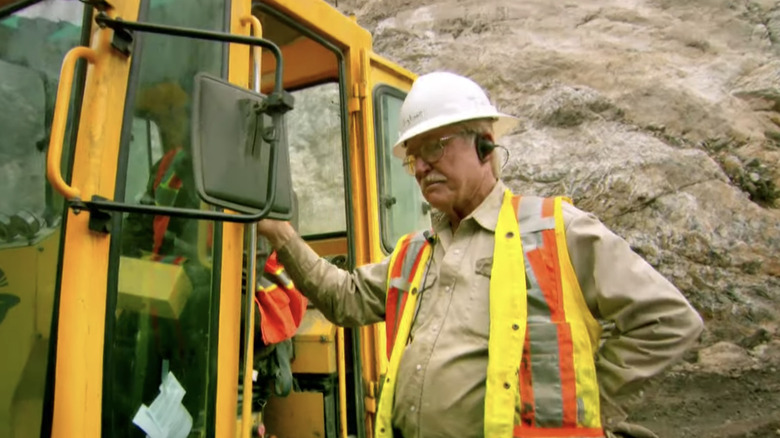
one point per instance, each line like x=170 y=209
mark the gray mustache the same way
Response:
x=430 y=179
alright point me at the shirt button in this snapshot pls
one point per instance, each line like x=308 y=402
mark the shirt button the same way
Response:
x=456 y=252
x=419 y=367
x=412 y=408
x=447 y=289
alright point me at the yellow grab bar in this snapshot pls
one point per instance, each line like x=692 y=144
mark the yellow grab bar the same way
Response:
x=249 y=330
x=60 y=120
x=256 y=29
x=342 y=369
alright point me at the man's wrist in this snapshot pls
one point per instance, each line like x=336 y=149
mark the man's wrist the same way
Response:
x=283 y=233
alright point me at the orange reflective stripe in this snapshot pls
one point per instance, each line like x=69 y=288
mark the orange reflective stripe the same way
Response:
x=548 y=207
x=403 y=267
x=540 y=262
x=395 y=300
x=568 y=376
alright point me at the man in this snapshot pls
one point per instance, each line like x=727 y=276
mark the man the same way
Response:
x=492 y=317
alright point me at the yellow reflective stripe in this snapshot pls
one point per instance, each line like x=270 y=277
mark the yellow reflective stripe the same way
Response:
x=567 y=271
x=386 y=398
x=508 y=314
x=585 y=338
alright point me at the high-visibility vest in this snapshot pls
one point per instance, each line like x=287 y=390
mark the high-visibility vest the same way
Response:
x=542 y=334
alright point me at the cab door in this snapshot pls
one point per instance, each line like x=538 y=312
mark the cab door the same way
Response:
x=398 y=203
x=164 y=272
x=146 y=311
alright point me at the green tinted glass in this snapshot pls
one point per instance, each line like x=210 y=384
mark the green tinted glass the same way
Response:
x=33 y=43
x=162 y=332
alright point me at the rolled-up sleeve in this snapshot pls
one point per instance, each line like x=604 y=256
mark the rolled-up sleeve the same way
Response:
x=348 y=299
x=653 y=322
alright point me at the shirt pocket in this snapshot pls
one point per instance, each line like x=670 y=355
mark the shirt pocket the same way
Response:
x=484 y=266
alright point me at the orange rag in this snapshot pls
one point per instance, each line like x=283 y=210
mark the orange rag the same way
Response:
x=280 y=304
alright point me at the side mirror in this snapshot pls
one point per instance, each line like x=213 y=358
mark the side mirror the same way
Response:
x=240 y=154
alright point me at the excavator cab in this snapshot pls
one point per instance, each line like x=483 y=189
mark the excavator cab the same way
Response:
x=128 y=256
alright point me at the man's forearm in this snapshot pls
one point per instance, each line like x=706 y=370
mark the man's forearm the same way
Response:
x=345 y=298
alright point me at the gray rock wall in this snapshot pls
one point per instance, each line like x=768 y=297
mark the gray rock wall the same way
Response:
x=661 y=117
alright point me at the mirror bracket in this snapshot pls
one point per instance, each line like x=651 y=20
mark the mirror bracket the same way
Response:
x=278 y=102
x=101 y=209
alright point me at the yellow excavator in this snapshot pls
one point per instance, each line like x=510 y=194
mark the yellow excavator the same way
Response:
x=141 y=140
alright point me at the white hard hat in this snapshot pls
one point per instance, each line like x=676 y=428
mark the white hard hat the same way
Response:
x=440 y=99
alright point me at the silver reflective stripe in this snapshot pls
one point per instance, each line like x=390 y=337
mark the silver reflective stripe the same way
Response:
x=264 y=282
x=402 y=284
x=411 y=255
x=529 y=208
x=542 y=333
x=545 y=374
x=537 y=305
x=283 y=278
x=529 y=215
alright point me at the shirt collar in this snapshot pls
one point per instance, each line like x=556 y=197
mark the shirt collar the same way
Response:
x=486 y=214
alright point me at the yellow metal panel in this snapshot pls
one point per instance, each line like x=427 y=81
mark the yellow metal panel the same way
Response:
x=329 y=247
x=79 y=370
x=324 y=20
x=232 y=250
x=48 y=251
x=27 y=406
x=17 y=331
x=299 y=415
x=315 y=345
x=25 y=331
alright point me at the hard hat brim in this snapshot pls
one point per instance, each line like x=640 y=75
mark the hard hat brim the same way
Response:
x=503 y=124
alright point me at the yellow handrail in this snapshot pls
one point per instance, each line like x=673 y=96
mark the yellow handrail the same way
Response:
x=60 y=120
x=257 y=32
x=342 y=369
x=246 y=406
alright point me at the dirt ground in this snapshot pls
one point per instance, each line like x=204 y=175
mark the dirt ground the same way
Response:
x=686 y=405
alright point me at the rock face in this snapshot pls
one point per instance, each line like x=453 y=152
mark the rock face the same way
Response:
x=662 y=117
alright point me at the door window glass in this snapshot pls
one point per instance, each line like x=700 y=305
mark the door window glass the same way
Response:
x=314 y=137
x=33 y=43
x=166 y=298
x=401 y=205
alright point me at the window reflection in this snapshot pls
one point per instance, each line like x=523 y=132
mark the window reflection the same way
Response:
x=164 y=299
x=33 y=43
x=314 y=137
x=401 y=205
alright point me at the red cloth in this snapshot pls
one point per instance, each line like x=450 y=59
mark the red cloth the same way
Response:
x=280 y=304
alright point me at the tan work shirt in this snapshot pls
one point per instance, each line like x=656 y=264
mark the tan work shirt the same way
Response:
x=441 y=381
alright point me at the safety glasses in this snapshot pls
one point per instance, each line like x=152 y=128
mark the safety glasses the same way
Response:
x=430 y=152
